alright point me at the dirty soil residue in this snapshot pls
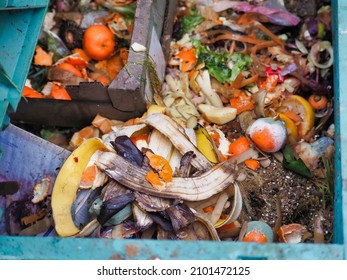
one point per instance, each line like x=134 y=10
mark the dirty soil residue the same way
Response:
x=275 y=193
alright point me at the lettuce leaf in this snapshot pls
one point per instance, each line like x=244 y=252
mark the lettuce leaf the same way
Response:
x=188 y=22
x=217 y=62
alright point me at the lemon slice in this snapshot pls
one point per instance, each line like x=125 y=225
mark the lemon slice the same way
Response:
x=302 y=109
x=292 y=131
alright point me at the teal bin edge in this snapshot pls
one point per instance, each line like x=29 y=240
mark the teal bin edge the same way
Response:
x=20 y=25
x=339 y=17
x=105 y=249
x=20 y=4
x=12 y=247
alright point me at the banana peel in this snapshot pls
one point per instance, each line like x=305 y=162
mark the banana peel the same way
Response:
x=67 y=184
x=235 y=211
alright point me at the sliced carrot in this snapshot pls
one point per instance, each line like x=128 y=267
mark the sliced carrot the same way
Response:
x=42 y=58
x=189 y=59
x=237 y=82
x=248 y=81
x=31 y=93
x=242 y=103
x=318 y=102
x=58 y=92
x=69 y=67
x=252 y=164
x=240 y=146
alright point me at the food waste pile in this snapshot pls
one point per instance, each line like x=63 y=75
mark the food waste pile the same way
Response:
x=237 y=145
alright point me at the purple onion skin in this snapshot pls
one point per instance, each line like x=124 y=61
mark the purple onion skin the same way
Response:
x=113 y=206
x=62 y=6
x=128 y=150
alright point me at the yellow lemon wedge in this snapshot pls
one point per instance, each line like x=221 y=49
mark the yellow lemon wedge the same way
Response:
x=299 y=110
x=292 y=131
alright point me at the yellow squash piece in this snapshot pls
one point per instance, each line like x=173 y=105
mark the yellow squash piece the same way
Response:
x=67 y=183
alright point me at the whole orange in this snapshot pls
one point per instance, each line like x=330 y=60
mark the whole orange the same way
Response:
x=98 y=42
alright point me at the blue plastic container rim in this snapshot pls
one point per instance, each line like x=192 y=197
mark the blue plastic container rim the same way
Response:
x=22 y=4
x=12 y=247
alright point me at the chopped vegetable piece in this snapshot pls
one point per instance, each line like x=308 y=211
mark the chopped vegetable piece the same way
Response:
x=161 y=165
x=188 y=59
x=216 y=62
x=239 y=146
x=252 y=164
x=242 y=103
x=155 y=181
x=69 y=67
x=188 y=22
x=296 y=165
x=31 y=93
x=42 y=58
x=318 y=102
x=58 y=92
x=41 y=190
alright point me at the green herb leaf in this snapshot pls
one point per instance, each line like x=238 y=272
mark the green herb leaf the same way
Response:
x=188 y=22
x=216 y=62
x=293 y=164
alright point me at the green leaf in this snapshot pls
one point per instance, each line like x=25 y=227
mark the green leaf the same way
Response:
x=189 y=21
x=293 y=164
x=46 y=134
x=216 y=62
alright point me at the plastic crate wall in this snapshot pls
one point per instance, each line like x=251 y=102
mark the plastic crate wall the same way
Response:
x=70 y=248
x=20 y=24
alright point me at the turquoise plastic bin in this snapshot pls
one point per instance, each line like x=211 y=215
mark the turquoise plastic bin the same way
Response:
x=12 y=247
x=20 y=24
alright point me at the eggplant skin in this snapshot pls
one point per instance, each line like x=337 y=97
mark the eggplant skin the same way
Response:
x=113 y=206
x=180 y=216
x=128 y=150
x=159 y=219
